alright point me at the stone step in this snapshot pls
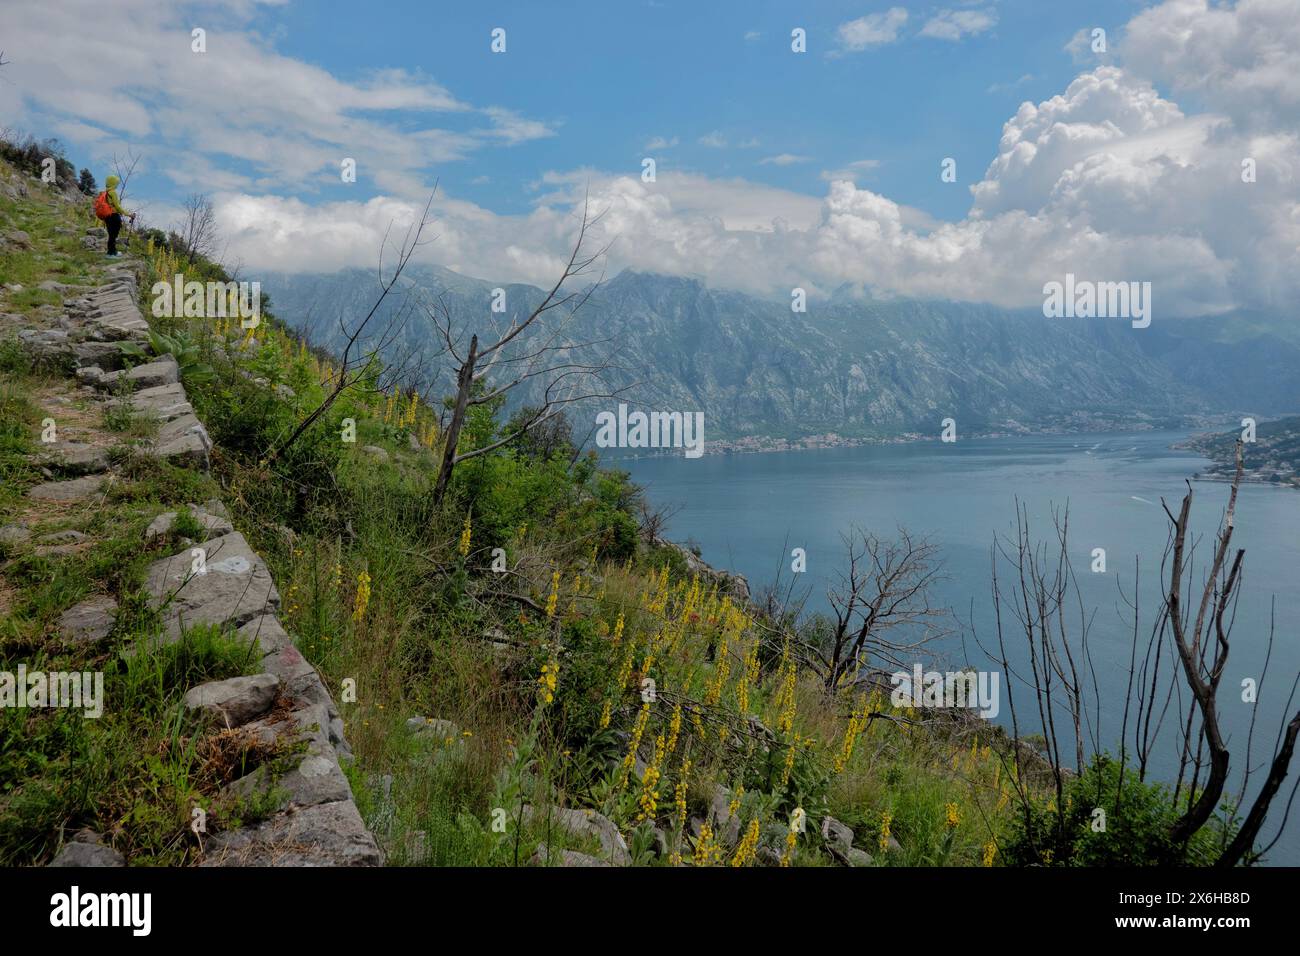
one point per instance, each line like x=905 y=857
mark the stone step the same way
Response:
x=77 y=489
x=235 y=587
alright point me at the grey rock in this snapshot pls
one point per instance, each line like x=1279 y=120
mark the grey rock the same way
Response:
x=267 y=632
x=374 y=451
x=235 y=588
x=214 y=525
x=89 y=621
x=75 y=458
x=77 y=489
x=163 y=371
x=89 y=374
x=236 y=701
x=284 y=391
x=14 y=535
x=545 y=856
x=184 y=441
x=88 y=854
x=19 y=238
x=162 y=402
x=316 y=776
x=837 y=835
x=586 y=823
x=215 y=506
x=67 y=536
x=328 y=834
x=434 y=728
x=106 y=356
x=856 y=857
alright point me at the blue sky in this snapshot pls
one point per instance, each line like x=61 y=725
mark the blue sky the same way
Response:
x=611 y=77
x=775 y=169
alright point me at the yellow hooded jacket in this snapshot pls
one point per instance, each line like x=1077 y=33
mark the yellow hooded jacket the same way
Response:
x=110 y=187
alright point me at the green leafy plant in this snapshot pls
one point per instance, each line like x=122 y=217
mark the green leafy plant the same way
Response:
x=181 y=347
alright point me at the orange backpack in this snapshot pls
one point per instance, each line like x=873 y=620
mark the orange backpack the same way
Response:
x=102 y=207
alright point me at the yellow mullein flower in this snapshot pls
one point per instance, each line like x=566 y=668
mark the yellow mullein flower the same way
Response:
x=604 y=715
x=951 y=816
x=679 y=795
x=748 y=845
x=363 y=596
x=618 y=629
x=704 y=846
x=554 y=597
x=548 y=681
x=990 y=851
x=885 y=819
x=465 y=534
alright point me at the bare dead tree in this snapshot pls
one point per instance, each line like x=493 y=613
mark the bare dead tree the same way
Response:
x=881 y=608
x=367 y=357
x=124 y=168
x=197 y=229
x=529 y=349
x=1192 y=629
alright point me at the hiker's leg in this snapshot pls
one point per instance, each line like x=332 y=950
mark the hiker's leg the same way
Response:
x=114 y=224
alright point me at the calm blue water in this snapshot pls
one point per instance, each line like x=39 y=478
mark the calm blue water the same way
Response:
x=748 y=511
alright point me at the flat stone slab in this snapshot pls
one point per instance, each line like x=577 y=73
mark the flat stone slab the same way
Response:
x=328 y=834
x=236 y=701
x=235 y=587
x=163 y=402
x=163 y=371
x=77 y=489
x=185 y=442
x=106 y=356
x=89 y=621
x=75 y=458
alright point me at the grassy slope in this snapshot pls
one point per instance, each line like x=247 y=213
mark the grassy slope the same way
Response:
x=391 y=596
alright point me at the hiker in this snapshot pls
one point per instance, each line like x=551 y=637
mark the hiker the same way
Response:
x=108 y=209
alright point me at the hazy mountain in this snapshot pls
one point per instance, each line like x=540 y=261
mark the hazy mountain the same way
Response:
x=854 y=366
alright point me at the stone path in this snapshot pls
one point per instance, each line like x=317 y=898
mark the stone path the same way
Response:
x=218 y=580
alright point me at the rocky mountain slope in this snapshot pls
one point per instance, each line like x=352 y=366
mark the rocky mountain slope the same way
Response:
x=858 y=368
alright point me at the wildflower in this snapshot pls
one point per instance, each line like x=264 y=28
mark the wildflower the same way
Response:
x=548 y=681
x=705 y=848
x=679 y=795
x=649 y=799
x=674 y=728
x=604 y=715
x=465 y=534
x=951 y=816
x=638 y=729
x=554 y=596
x=990 y=851
x=748 y=845
x=363 y=596
x=886 y=819
x=789 y=761
x=618 y=629
x=857 y=721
